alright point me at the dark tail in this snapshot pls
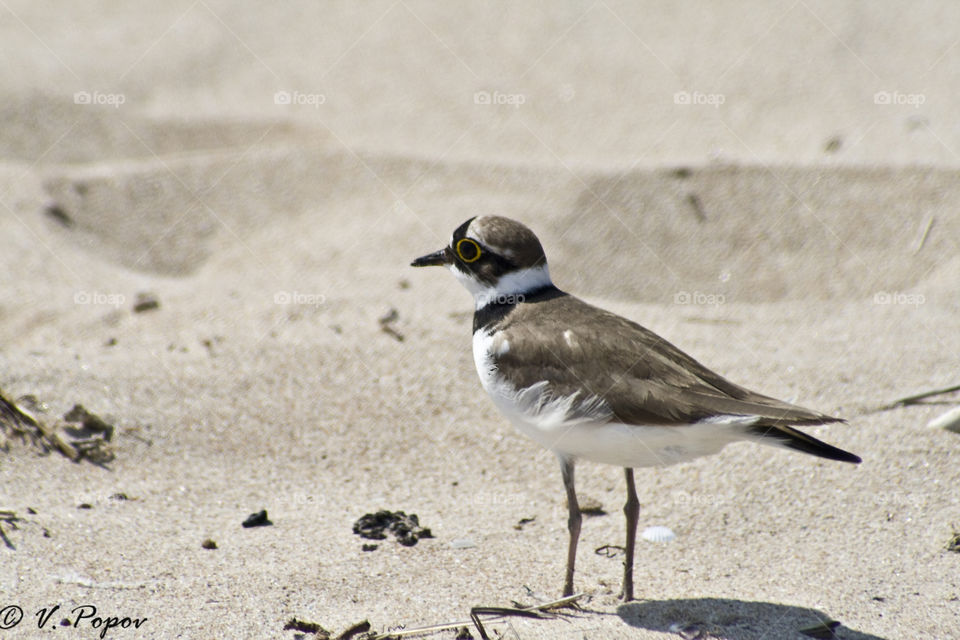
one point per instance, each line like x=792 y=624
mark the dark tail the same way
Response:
x=793 y=439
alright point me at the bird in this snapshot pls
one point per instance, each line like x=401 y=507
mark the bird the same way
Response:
x=588 y=384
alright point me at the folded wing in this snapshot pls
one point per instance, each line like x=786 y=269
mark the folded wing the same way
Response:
x=639 y=376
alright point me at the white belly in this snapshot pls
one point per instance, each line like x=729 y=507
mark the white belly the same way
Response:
x=631 y=445
x=581 y=428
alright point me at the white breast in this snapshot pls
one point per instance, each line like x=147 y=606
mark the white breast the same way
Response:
x=581 y=426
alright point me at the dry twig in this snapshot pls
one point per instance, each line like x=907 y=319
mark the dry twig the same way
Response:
x=916 y=398
x=19 y=423
x=502 y=613
x=90 y=441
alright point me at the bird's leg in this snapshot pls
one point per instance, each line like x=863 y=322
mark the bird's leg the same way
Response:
x=573 y=522
x=631 y=510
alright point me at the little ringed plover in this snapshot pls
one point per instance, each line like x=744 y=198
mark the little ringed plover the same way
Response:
x=586 y=383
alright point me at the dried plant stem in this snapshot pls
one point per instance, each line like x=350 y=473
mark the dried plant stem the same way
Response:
x=502 y=613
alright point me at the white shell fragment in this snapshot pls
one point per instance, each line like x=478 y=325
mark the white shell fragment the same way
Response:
x=949 y=421
x=463 y=543
x=658 y=534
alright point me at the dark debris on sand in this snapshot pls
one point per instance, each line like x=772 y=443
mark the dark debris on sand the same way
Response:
x=361 y=627
x=406 y=528
x=306 y=627
x=954 y=542
x=90 y=423
x=146 y=301
x=258 y=519
x=27 y=420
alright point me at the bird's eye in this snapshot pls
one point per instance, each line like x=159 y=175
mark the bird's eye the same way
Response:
x=468 y=250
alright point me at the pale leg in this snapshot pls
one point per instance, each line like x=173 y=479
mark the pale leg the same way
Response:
x=573 y=522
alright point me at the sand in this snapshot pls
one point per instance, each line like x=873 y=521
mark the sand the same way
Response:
x=771 y=186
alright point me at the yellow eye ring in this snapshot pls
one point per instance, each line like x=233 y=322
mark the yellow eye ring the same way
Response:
x=473 y=254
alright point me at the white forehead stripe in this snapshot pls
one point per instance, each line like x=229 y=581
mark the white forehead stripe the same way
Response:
x=475 y=230
x=470 y=230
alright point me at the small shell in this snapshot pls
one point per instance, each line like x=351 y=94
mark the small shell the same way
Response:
x=463 y=543
x=658 y=534
x=949 y=421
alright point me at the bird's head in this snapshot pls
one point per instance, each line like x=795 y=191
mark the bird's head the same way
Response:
x=493 y=257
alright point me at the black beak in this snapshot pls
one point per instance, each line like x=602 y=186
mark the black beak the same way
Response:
x=437 y=258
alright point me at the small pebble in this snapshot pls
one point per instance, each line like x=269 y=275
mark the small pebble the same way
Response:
x=145 y=302
x=833 y=144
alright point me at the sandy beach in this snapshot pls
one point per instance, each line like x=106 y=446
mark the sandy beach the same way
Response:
x=773 y=187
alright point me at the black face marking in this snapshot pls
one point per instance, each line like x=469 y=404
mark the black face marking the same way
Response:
x=461 y=231
x=473 y=258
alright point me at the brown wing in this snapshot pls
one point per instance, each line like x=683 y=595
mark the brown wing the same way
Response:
x=640 y=376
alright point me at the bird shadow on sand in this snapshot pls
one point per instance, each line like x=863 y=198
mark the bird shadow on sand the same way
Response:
x=726 y=619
